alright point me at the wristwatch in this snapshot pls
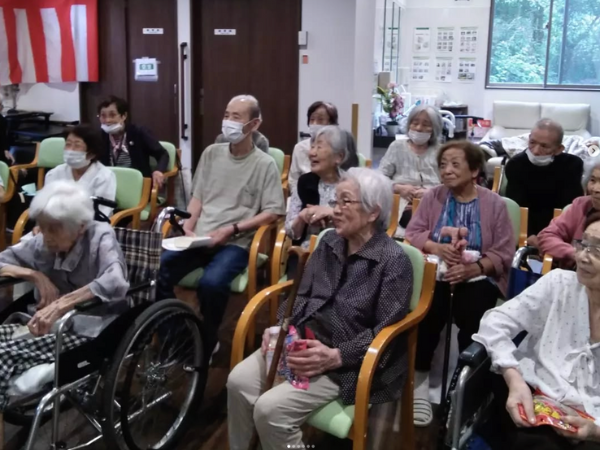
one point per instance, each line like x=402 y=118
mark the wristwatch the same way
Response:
x=481 y=267
x=236 y=229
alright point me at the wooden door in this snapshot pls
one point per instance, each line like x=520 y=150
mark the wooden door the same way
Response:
x=261 y=59
x=121 y=40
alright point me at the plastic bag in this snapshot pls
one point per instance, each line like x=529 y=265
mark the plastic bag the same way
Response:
x=291 y=345
x=550 y=412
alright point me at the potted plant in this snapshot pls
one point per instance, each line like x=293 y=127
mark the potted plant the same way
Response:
x=392 y=104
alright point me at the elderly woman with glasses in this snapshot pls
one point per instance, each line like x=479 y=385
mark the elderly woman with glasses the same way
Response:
x=411 y=163
x=557 y=238
x=310 y=208
x=357 y=282
x=559 y=357
x=73 y=259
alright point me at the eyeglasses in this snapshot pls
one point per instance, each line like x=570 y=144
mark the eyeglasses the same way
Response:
x=111 y=115
x=592 y=249
x=343 y=203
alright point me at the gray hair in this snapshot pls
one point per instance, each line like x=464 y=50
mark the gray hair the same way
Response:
x=376 y=191
x=253 y=104
x=434 y=116
x=336 y=138
x=588 y=167
x=551 y=125
x=65 y=202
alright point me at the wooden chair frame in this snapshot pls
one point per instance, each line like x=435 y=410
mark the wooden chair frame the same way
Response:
x=170 y=177
x=549 y=260
x=134 y=213
x=285 y=173
x=358 y=432
x=497 y=179
x=41 y=171
x=9 y=192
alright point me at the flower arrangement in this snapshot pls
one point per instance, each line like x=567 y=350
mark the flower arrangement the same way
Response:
x=392 y=102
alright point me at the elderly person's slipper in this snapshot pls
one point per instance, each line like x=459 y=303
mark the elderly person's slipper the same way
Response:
x=422 y=412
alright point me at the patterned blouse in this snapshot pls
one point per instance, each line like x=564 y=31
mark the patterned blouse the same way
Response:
x=326 y=195
x=119 y=156
x=457 y=214
x=361 y=294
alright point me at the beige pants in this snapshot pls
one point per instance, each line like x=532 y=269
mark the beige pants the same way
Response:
x=278 y=413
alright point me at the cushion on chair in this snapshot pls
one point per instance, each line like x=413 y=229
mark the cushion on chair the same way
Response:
x=51 y=151
x=130 y=184
x=334 y=418
x=514 y=212
x=362 y=161
x=171 y=150
x=516 y=115
x=572 y=116
x=4 y=174
x=279 y=158
x=238 y=285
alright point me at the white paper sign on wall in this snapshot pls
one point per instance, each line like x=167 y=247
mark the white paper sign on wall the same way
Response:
x=146 y=69
x=225 y=31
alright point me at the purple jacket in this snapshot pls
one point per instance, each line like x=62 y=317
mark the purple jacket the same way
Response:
x=498 y=239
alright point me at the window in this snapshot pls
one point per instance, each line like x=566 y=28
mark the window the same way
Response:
x=553 y=44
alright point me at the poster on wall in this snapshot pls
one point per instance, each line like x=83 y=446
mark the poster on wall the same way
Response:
x=422 y=40
x=420 y=68
x=466 y=69
x=445 y=40
x=468 y=40
x=443 y=69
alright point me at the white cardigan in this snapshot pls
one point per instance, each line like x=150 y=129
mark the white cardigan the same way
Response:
x=98 y=180
x=557 y=356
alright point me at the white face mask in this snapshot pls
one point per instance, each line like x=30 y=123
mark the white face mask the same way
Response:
x=233 y=131
x=418 y=137
x=539 y=160
x=112 y=129
x=75 y=160
x=314 y=129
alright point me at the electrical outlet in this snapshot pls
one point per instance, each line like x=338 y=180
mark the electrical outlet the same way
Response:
x=153 y=31
x=225 y=31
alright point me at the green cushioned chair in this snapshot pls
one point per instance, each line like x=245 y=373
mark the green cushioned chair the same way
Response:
x=9 y=189
x=351 y=421
x=363 y=161
x=518 y=218
x=151 y=210
x=48 y=155
x=133 y=192
x=283 y=162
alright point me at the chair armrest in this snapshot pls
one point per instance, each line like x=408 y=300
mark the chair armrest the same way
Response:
x=395 y=217
x=497 y=173
x=153 y=204
x=474 y=355
x=20 y=227
x=287 y=162
x=248 y=318
x=10 y=188
x=547 y=265
x=10 y=281
x=134 y=212
x=523 y=227
x=280 y=255
x=259 y=243
x=379 y=345
x=31 y=165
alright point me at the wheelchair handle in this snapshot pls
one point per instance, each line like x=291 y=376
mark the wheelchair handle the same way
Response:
x=170 y=214
x=99 y=201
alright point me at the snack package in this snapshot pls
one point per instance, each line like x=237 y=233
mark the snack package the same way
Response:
x=284 y=371
x=550 y=412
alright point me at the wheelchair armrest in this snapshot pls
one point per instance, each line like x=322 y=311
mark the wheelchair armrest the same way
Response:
x=9 y=281
x=89 y=304
x=474 y=355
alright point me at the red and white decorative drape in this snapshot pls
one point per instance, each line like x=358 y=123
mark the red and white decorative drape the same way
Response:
x=48 y=41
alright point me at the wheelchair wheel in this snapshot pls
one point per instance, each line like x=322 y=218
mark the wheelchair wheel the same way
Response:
x=154 y=383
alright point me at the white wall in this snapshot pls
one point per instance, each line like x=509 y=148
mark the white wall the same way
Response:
x=60 y=98
x=434 y=13
x=184 y=35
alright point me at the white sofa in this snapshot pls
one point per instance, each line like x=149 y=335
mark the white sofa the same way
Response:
x=516 y=118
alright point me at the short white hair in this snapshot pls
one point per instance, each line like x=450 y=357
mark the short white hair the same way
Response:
x=255 y=112
x=65 y=202
x=588 y=167
x=434 y=116
x=376 y=191
x=336 y=138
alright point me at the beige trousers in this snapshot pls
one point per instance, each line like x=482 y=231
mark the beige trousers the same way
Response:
x=278 y=413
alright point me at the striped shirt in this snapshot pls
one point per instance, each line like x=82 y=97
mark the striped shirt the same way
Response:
x=119 y=156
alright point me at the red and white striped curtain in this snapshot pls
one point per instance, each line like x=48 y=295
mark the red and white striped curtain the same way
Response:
x=48 y=41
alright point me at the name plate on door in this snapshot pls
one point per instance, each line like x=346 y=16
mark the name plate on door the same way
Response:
x=146 y=69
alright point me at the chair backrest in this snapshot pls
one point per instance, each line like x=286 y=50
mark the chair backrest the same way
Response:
x=4 y=174
x=514 y=212
x=418 y=265
x=130 y=184
x=362 y=161
x=279 y=158
x=171 y=150
x=50 y=153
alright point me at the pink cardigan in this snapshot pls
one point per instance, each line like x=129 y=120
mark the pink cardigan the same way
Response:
x=498 y=239
x=556 y=239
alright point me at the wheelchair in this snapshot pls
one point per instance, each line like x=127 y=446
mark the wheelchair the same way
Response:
x=140 y=381
x=468 y=405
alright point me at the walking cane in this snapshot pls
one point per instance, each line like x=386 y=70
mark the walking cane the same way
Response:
x=302 y=257
x=447 y=347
